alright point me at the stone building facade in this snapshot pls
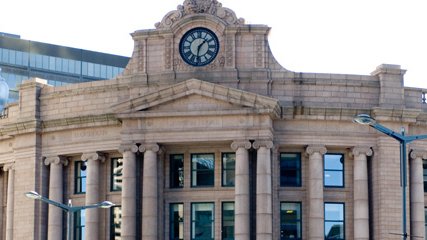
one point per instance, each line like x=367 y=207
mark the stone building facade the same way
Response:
x=237 y=147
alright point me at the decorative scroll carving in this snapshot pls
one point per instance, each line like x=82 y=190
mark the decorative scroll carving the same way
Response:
x=128 y=147
x=56 y=160
x=8 y=166
x=240 y=144
x=212 y=7
x=93 y=156
x=356 y=151
x=263 y=143
x=149 y=147
x=310 y=150
x=418 y=153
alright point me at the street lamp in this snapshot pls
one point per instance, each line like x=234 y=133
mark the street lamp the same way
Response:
x=365 y=119
x=70 y=209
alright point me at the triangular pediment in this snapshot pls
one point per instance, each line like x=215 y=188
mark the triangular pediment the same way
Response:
x=199 y=96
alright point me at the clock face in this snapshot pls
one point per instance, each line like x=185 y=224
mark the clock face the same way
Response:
x=199 y=47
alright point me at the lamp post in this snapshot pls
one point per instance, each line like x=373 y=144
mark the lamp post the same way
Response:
x=365 y=119
x=69 y=209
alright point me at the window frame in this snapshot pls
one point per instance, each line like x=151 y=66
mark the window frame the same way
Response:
x=172 y=222
x=222 y=219
x=78 y=183
x=224 y=169
x=114 y=176
x=334 y=170
x=195 y=170
x=112 y=223
x=172 y=171
x=297 y=221
x=425 y=175
x=298 y=169
x=79 y=229
x=325 y=220
x=212 y=220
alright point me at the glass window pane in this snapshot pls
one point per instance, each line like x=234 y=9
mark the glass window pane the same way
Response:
x=290 y=169
x=90 y=69
x=334 y=221
x=227 y=220
x=80 y=177
x=97 y=71
x=71 y=66
x=84 y=68
x=334 y=178
x=290 y=220
x=116 y=174
x=58 y=64
x=425 y=174
x=333 y=170
x=176 y=221
x=334 y=161
x=109 y=72
x=19 y=57
x=45 y=62
x=115 y=223
x=5 y=55
x=52 y=63
x=77 y=67
x=24 y=59
x=176 y=171
x=228 y=169
x=202 y=166
x=202 y=218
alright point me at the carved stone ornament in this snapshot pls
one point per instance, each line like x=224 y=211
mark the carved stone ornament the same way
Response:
x=93 y=156
x=128 y=147
x=263 y=143
x=356 y=151
x=56 y=160
x=418 y=153
x=149 y=147
x=240 y=144
x=8 y=166
x=212 y=7
x=310 y=150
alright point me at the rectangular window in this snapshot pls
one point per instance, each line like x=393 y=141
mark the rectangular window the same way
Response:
x=290 y=169
x=425 y=221
x=425 y=174
x=202 y=170
x=333 y=170
x=79 y=225
x=202 y=221
x=116 y=174
x=176 y=221
x=80 y=177
x=115 y=223
x=290 y=221
x=227 y=221
x=176 y=171
x=334 y=221
x=228 y=169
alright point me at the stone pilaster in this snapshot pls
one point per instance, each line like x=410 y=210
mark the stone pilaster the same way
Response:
x=10 y=202
x=149 y=192
x=129 y=191
x=56 y=192
x=315 y=192
x=264 y=209
x=241 y=190
x=360 y=192
x=92 y=193
x=417 y=192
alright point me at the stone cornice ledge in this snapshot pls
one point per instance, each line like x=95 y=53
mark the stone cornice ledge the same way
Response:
x=396 y=115
x=80 y=121
x=20 y=128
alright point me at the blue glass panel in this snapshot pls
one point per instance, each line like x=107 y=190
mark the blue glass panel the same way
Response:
x=5 y=55
x=334 y=178
x=39 y=61
x=334 y=162
x=71 y=66
x=84 y=68
x=45 y=60
x=18 y=60
x=25 y=58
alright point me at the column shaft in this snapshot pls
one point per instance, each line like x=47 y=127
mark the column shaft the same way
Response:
x=10 y=202
x=417 y=193
x=241 y=189
x=149 y=193
x=315 y=193
x=55 y=224
x=360 y=193
x=264 y=209
x=129 y=196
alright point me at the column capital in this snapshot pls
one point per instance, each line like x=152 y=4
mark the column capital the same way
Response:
x=93 y=156
x=418 y=153
x=8 y=166
x=149 y=147
x=311 y=149
x=263 y=143
x=358 y=150
x=55 y=160
x=131 y=147
x=240 y=144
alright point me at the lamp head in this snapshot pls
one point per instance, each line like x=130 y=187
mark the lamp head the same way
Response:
x=33 y=195
x=106 y=204
x=364 y=119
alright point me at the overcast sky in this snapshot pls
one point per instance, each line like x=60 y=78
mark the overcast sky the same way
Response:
x=327 y=36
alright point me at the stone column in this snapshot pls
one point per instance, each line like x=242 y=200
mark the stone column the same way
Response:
x=315 y=192
x=264 y=209
x=10 y=202
x=360 y=192
x=92 y=193
x=56 y=194
x=417 y=193
x=129 y=192
x=241 y=190
x=149 y=192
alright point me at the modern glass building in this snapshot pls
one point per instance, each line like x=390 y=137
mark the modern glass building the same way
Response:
x=22 y=59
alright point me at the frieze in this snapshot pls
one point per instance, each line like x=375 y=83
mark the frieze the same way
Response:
x=211 y=7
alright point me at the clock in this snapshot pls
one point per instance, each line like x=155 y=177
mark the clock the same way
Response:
x=199 y=47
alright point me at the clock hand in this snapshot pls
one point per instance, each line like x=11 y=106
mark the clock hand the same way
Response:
x=200 y=46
